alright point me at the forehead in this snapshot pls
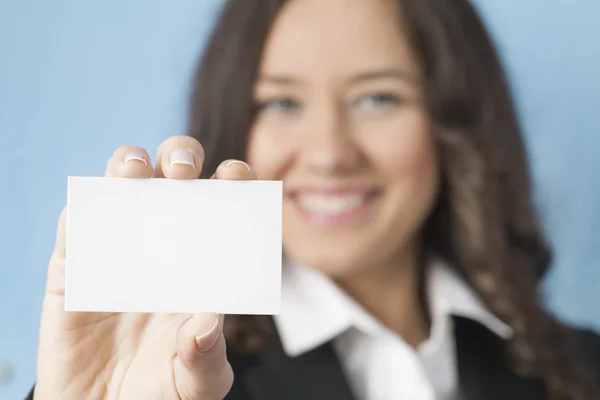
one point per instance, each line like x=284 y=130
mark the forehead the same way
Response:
x=336 y=36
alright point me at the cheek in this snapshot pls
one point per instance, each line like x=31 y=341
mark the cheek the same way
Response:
x=404 y=148
x=404 y=152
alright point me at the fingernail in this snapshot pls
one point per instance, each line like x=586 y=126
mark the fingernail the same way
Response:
x=182 y=157
x=228 y=163
x=135 y=157
x=207 y=340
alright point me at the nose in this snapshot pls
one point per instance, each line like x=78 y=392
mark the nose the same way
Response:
x=330 y=147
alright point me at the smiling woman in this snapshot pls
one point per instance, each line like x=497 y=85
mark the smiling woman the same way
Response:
x=412 y=249
x=393 y=129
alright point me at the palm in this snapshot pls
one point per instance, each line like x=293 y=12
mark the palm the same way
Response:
x=127 y=355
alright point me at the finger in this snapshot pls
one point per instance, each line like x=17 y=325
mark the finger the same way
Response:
x=201 y=369
x=179 y=157
x=235 y=170
x=56 y=268
x=130 y=162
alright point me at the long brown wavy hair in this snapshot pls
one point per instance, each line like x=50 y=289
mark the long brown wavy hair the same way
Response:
x=484 y=223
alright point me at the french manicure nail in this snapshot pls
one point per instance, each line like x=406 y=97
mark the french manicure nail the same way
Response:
x=207 y=340
x=182 y=157
x=132 y=157
x=239 y=162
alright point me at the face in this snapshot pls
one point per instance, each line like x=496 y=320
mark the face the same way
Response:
x=341 y=122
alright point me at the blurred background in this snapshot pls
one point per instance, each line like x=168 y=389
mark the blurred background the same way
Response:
x=78 y=79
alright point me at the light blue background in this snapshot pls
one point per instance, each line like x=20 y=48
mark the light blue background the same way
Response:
x=78 y=79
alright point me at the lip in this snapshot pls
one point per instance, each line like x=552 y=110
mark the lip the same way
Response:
x=332 y=216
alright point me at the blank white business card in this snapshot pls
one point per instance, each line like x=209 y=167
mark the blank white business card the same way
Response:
x=173 y=246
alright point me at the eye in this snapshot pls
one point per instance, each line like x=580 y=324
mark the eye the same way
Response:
x=378 y=100
x=279 y=105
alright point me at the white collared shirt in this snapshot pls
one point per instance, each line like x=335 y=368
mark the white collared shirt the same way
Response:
x=379 y=365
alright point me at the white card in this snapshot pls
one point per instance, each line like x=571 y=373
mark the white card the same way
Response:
x=173 y=246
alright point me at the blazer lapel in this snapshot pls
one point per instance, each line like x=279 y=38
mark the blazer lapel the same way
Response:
x=483 y=369
x=316 y=375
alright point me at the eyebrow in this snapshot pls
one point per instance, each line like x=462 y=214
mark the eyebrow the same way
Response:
x=368 y=75
x=278 y=80
x=386 y=74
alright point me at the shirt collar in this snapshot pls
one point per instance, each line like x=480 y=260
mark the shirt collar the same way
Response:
x=314 y=310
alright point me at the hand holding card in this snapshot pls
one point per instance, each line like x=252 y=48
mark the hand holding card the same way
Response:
x=123 y=255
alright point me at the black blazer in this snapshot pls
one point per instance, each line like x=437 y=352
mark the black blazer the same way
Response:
x=317 y=375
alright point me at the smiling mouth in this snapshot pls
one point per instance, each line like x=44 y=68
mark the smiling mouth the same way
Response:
x=323 y=208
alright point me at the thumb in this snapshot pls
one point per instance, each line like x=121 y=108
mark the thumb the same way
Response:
x=201 y=369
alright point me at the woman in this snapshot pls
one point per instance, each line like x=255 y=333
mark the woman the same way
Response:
x=412 y=248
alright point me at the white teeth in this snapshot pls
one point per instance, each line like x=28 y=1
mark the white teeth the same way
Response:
x=330 y=204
